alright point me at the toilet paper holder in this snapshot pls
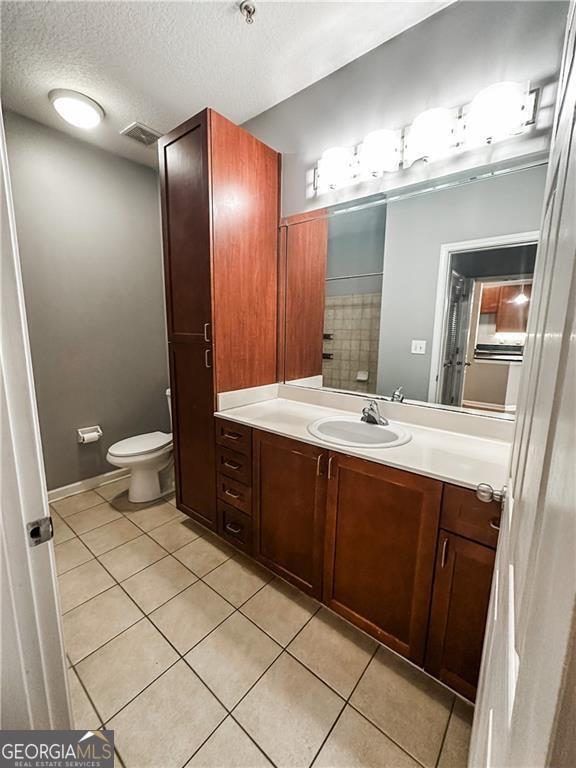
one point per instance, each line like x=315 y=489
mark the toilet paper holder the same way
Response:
x=89 y=434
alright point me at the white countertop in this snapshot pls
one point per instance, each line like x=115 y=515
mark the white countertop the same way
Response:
x=452 y=457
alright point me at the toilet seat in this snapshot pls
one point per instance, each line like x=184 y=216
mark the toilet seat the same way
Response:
x=140 y=445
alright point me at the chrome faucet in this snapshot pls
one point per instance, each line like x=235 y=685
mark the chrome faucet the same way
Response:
x=397 y=396
x=371 y=414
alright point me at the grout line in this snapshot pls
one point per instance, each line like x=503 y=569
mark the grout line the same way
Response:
x=445 y=732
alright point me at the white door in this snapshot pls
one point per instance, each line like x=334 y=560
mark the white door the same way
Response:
x=531 y=620
x=32 y=666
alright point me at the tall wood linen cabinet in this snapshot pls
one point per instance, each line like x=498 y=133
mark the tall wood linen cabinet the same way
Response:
x=220 y=216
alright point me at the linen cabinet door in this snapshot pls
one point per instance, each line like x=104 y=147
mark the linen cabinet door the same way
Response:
x=289 y=495
x=193 y=431
x=459 y=609
x=184 y=185
x=381 y=531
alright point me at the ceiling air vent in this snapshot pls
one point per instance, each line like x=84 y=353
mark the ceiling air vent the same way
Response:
x=141 y=133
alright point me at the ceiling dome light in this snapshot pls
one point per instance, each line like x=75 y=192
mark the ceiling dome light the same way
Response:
x=335 y=168
x=431 y=136
x=496 y=113
x=380 y=152
x=77 y=109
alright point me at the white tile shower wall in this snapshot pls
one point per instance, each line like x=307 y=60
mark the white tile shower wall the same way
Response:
x=353 y=321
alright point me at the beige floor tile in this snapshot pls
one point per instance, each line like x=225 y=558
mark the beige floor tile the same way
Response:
x=232 y=658
x=191 y=615
x=177 y=534
x=158 y=583
x=166 y=723
x=406 y=704
x=92 y=518
x=289 y=713
x=151 y=517
x=334 y=650
x=356 y=743
x=62 y=532
x=457 y=742
x=83 y=713
x=132 y=557
x=203 y=555
x=238 y=579
x=110 y=490
x=76 y=503
x=70 y=555
x=280 y=610
x=118 y=671
x=82 y=583
x=92 y=624
x=229 y=747
x=112 y=535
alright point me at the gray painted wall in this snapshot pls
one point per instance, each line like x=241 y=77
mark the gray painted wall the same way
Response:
x=416 y=229
x=444 y=61
x=89 y=235
x=356 y=247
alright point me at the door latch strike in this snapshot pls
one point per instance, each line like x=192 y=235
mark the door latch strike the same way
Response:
x=39 y=531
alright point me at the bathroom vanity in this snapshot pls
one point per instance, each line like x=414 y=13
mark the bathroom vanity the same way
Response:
x=404 y=552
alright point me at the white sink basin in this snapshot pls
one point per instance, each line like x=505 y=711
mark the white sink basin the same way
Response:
x=354 y=433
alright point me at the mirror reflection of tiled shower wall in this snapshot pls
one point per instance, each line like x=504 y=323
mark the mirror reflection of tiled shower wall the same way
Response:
x=353 y=322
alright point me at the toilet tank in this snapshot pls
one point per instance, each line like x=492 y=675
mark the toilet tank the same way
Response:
x=169 y=405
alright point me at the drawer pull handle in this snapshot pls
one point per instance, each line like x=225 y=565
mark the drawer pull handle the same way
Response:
x=319 y=464
x=231 y=494
x=233 y=528
x=206 y=334
x=232 y=465
x=330 y=460
x=444 y=552
x=207 y=358
x=232 y=435
x=495 y=524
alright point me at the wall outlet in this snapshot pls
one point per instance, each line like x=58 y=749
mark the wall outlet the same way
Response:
x=418 y=347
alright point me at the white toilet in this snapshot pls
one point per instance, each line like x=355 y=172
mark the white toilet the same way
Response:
x=146 y=456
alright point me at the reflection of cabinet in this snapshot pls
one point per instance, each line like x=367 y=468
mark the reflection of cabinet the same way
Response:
x=380 y=544
x=220 y=210
x=306 y=253
x=289 y=509
x=511 y=317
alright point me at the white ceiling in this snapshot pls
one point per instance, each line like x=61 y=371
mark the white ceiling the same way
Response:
x=162 y=62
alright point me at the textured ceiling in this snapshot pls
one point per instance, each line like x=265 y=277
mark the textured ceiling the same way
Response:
x=161 y=62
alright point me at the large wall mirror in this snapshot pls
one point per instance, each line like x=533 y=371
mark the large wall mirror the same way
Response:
x=425 y=293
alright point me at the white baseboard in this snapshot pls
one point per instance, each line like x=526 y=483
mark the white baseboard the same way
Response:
x=87 y=485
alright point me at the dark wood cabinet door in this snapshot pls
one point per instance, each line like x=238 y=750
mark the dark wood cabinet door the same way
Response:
x=289 y=488
x=459 y=610
x=193 y=430
x=381 y=531
x=184 y=184
x=306 y=254
x=511 y=316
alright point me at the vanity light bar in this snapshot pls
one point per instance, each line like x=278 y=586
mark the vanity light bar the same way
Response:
x=496 y=113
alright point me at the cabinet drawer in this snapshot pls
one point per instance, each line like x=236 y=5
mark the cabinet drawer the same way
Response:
x=233 y=464
x=234 y=493
x=235 y=436
x=466 y=515
x=235 y=526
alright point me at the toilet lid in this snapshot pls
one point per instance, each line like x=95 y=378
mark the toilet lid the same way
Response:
x=136 y=446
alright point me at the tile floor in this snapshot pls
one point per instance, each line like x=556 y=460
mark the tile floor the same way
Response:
x=197 y=657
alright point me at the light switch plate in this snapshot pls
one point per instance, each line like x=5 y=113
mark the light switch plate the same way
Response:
x=418 y=347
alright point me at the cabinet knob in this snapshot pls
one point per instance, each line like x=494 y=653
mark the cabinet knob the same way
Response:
x=485 y=493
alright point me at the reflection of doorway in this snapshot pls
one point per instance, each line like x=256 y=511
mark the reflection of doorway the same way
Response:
x=467 y=368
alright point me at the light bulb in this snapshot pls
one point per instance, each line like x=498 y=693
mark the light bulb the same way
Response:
x=521 y=298
x=380 y=152
x=76 y=108
x=335 y=168
x=431 y=136
x=496 y=113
